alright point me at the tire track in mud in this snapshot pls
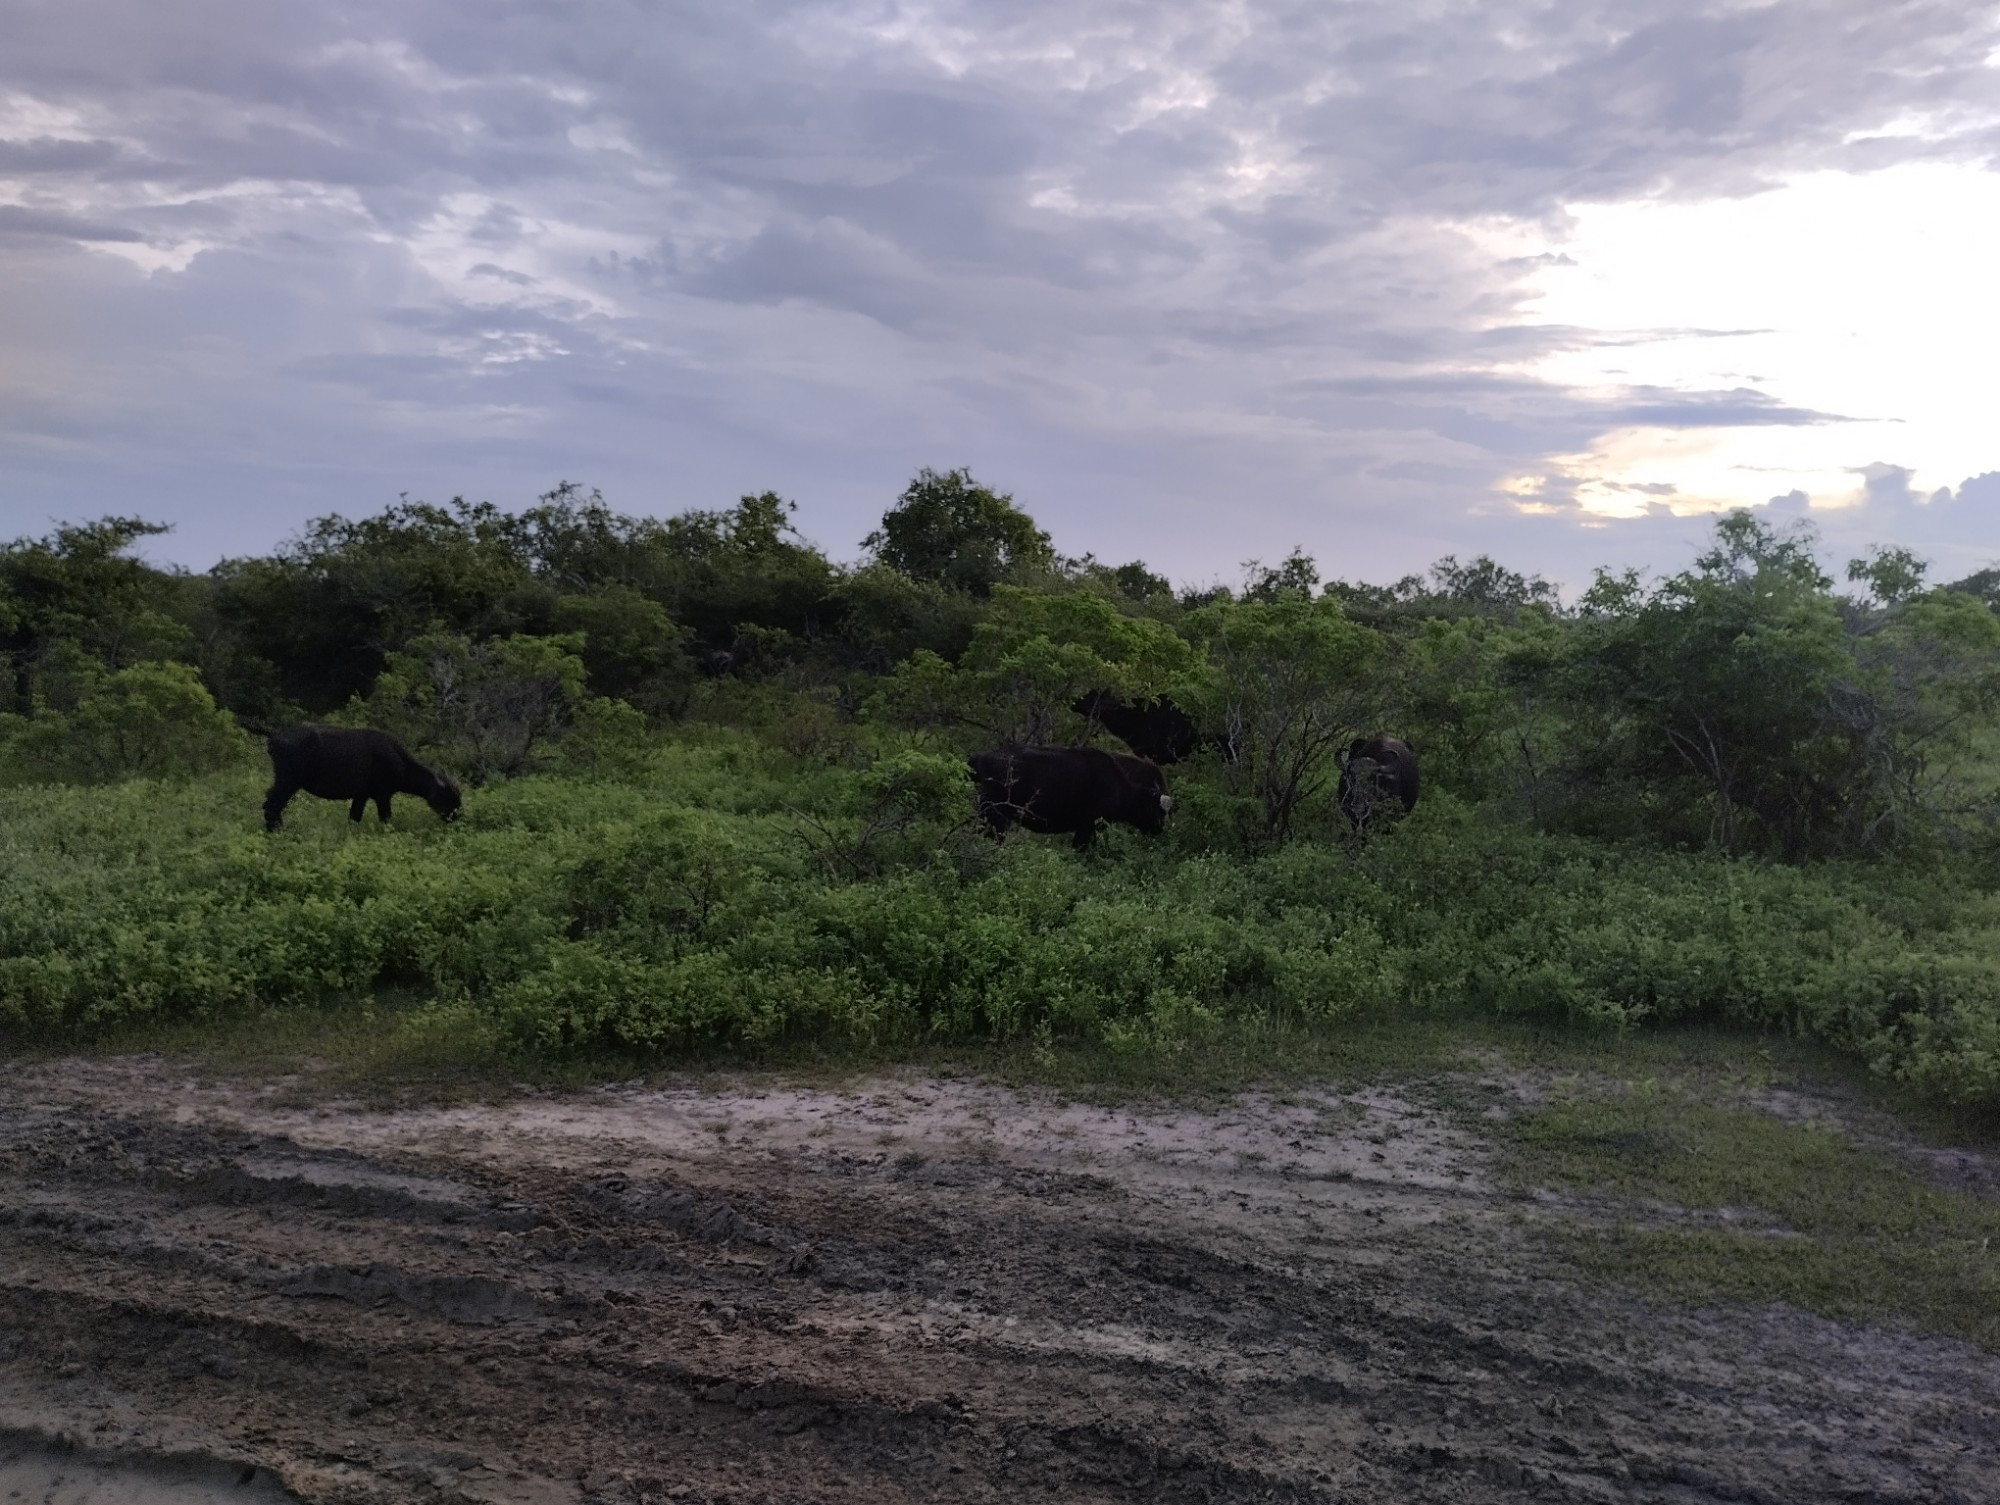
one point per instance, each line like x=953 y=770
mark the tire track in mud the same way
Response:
x=369 y=1315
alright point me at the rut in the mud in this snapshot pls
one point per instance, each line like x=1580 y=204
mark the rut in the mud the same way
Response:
x=622 y=1303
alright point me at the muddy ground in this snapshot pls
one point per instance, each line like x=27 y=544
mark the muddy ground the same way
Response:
x=914 y=1289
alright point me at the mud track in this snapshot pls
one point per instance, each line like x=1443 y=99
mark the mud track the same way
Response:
x=918 y=1290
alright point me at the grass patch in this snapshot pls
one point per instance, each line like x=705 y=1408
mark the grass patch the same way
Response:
x=1818 y=1220
x=397 y=1047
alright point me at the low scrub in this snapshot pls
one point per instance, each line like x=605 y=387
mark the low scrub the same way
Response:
x=721 y=893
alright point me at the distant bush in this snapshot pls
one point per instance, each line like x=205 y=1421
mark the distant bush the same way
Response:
x=500 y=708
x=152 y=720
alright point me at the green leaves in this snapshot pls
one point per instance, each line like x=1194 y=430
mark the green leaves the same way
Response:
x=491 y=707
x=1033 y=656
x=1741 y=703
x=1289 y=682
x=152 y=720
x=949 y=529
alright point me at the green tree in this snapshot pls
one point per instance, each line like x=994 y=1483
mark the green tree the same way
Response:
x=1930 y=696
x=1733 y=692
x=1138 y=583
x=1455 y=701
x=882 y=617
x=948 y=528
x=147 y=720
x=1035 y=654
x=1290 y=683
x=1298 y=575
x=492 y=707
x=1893 y=575
x=714 y=572
x=631 y=647
x=81 y=585
x=328 y=609
x=1450 y=590
x=1486 y=588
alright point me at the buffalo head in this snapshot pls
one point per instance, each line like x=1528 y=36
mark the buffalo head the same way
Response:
x=1378 y=778
x=445 y=799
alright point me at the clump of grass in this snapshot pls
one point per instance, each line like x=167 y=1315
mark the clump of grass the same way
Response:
x=1816 y=1219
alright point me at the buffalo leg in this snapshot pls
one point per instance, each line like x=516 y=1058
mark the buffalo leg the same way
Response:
x=382 y=807
x=1085 y=834
x=355 y=810
x=275 y=799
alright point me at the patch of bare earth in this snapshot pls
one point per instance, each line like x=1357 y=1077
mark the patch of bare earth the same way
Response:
x=917 y=1290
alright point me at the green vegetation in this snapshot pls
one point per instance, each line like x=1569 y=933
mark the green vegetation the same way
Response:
x=717 y=800
x=1796 y=1211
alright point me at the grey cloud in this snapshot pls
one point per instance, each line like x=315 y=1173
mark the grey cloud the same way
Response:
x=1982 y=490
x=828 y=264
x=18 y=220
x=1888 y=485
x=53 y=154
x=1736 y=408
x=1171 y=279
x=385 y=375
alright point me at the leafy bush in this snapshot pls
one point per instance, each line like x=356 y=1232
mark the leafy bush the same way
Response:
x=497 y=708
x=1027 y=664
x=1289 y=685
x=675 y=908
x=152 y=720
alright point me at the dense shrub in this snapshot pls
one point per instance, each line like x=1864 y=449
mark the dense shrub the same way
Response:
x=501 y=707
x=688 y=903
x=152 y=720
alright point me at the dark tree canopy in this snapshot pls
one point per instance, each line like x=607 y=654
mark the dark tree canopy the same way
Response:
x=1298 y=575
x=949 y=529
x=82 y=585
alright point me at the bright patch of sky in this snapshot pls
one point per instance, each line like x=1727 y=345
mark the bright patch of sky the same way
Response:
x=1868 y=300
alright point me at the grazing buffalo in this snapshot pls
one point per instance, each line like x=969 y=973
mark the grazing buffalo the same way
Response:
x=349 y=763
x=1376 y=774
x=1161 y=732
x=1057 y=789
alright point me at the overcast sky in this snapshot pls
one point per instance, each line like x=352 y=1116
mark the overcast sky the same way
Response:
x=1196 y=282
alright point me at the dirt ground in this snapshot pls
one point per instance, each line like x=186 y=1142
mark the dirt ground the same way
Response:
x=913 y=1289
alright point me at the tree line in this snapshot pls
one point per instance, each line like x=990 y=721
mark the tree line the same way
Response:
x=1744 y=703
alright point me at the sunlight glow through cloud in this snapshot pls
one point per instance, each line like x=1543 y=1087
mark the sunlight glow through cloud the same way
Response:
x=1869 y=301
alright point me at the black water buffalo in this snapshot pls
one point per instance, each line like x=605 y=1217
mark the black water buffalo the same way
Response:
x=1057 y=789
x=1161 y=732
x=1376 y=773
x=349 y=763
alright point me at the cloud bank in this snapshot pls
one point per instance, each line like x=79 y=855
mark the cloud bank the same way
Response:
x=1195 y=282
